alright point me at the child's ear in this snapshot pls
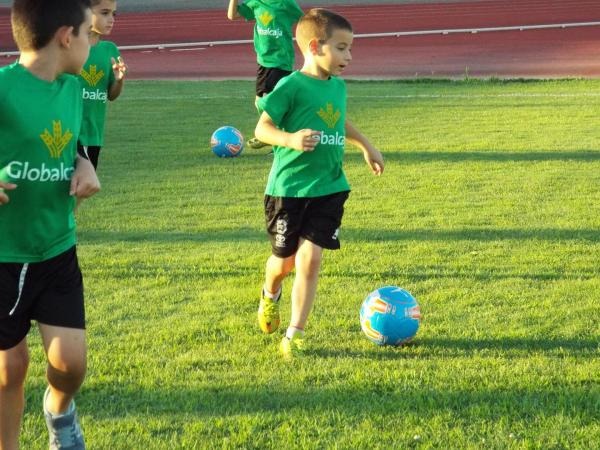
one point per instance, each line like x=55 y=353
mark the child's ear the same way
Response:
x=64 y=36
x=313 y=46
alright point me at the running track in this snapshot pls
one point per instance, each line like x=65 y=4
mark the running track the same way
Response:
x=535 y=53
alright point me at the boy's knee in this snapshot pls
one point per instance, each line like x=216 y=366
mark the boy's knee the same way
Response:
x=309 y=261
x=13 y=370
x=70 y=370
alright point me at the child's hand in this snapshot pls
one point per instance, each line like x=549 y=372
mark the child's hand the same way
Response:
x=305 y=140
x=84 y=182
x=119 y=68
x=374 y=160
x=4 y=199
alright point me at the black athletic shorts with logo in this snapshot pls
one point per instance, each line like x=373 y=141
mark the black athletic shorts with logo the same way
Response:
x=267 y=78
x=50 y=292
x=90 y=152
x=316 y=219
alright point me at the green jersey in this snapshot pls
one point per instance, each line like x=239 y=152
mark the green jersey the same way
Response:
x=273 y=30
x=298 y=102
x=39 y=124
x=96 y=78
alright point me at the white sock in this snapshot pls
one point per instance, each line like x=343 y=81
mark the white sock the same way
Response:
x=293 y=331
x=273 y=296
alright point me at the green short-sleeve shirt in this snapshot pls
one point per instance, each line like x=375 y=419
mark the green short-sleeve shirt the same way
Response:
x=273 y=30
x=39 y=124
x=96 y=79
x=298 y=102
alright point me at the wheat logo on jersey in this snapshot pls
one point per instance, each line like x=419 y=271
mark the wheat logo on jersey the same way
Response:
x=57 y=141
x=265 y=19
x=331 y=117
x=92 y=77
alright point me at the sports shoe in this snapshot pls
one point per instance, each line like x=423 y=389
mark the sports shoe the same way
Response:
x=256 y=144
x=290 y=348
x=268 y=314
x=63 y=429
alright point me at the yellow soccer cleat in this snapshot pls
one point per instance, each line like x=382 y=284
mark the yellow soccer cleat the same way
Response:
x=268 y=314
x=290 y=348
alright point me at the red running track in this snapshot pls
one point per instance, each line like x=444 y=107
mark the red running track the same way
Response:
x=539 y=53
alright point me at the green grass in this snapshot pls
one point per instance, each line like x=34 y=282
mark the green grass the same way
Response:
x=488 y=212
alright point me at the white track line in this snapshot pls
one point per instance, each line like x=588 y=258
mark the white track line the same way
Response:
x=367 y=35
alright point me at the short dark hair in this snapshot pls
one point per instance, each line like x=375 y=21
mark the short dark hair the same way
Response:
x=34 y=22
x=320 y=23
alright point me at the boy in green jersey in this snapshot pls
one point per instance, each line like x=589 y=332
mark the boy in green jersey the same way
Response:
x=304 y=118
x=102 y=79
x=41 y=176
x=273 y=41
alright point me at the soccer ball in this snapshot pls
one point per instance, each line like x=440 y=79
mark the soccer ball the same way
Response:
x=227 y=142
x=390 y=316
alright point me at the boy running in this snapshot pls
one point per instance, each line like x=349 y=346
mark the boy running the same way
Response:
x=102 y=79
x=272 y=41
x=304 y=119
x=40 y=177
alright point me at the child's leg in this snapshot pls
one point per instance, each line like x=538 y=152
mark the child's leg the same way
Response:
x=276 y=270
x=66 y=353
x=13 y=368
x=308 y=263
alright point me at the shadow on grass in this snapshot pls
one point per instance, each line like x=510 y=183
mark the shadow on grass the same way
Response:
x=417 y=157
x=373 y=397
x=88 y=236
x=452 y=347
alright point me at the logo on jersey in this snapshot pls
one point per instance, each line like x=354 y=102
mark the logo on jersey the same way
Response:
x=331 y=118
x=328 y=116
x=18 y=170
x=57 y=141
x=265 y=18
x=92 y=77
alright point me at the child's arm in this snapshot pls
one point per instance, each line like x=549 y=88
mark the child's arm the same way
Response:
x=303 y=140
x=232 y=11
x=4 y=199
x=84 y=182
x=371 y=154
x=120 y=70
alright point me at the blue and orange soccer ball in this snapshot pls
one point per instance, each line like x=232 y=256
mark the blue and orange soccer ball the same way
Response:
x=390 y=316
x=227 y=142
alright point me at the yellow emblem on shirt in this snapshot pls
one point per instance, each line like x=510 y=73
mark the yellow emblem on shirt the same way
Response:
x=329 y=116
x=57 y=141
x=92 y=77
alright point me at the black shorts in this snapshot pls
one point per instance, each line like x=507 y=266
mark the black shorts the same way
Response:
x=50 y=292
x=315 y=219
x=267 y=78
x=91 y=152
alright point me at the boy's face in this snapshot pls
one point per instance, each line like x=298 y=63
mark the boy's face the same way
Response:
x=79 y=48
x=336 y=53
x=104 y=16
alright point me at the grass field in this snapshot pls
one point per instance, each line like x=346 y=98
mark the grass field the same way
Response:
x=488 y=212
